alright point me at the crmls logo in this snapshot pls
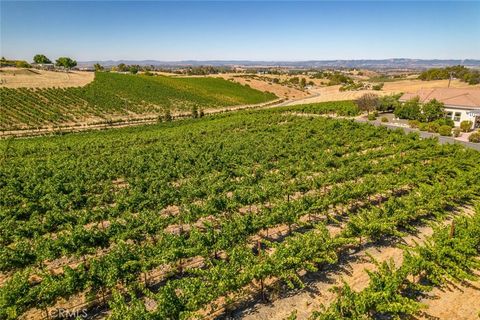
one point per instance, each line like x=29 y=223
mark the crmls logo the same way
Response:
x=63 y=313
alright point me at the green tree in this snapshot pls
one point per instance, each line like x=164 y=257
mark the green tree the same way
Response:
x=65 y=62
x=122 y=67
x=40 y=58
x=133 y=69
x=432 y=110
x=388 y=103
x=409 y=110
x=98 y=67
x=303 y=83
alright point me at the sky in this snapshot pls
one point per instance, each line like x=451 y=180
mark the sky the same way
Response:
x=249 y=30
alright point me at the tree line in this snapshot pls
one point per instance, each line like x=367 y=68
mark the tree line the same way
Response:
x=459 y=72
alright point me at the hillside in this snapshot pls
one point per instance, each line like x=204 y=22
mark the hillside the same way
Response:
x=11 y=77
x=118 y=96
x=401 y=63
x=196 y=216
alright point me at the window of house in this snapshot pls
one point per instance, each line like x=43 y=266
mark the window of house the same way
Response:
x=449 y=114
x=457 y=116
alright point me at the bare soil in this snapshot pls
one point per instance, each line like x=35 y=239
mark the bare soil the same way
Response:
x=450 y=302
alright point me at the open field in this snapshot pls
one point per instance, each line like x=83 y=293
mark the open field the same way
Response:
x=332 y=93
x=114 y=96
x=259 y=84
x=33 y=78
x=191 y=216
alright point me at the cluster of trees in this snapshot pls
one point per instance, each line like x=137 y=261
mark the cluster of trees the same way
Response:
x=360 y=85
x=423 y=112
x=63 y=62
x=371 y=102
x=297 y=81
x=460 y=72
x=122 y=67
x=429 y=116
x=204 y=70
x=334 y=77
x=337 y=78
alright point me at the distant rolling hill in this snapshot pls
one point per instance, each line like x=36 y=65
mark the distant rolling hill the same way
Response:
x=397 y=63
x=119 y=96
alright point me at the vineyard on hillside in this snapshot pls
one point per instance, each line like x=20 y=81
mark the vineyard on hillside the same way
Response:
x=113 y=95
x=190 y=218
x=346 y=108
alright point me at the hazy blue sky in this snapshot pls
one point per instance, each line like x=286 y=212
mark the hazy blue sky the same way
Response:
x=92 y=30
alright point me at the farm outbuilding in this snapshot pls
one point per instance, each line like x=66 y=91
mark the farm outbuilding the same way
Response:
x=43 y=66
x=461 y=104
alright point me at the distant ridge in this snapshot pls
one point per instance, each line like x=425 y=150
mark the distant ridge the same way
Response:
x=398 y=63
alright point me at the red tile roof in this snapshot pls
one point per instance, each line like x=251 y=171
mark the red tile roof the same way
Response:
x=468 y=97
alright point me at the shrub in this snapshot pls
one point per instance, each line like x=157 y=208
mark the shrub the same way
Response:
x=466 y=125
x=22 y=64
x=457 y=132
x=378 y=87
x=445 y=130
x=384 y=119
x=423 y=126
x=414 y=123
x=474 y=137
x=372 y=117
x=445 y=121
x=167 y=116
x=195 y=112
x=432 y=127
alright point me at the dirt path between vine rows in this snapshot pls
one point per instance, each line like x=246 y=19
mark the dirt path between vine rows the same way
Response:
x=79 y=301
x=56 y=266
x=454 y=302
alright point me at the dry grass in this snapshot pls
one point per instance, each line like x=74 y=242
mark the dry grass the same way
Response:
x=32 y=78
x=332 y=93
x=415 y=85
x=279 y=90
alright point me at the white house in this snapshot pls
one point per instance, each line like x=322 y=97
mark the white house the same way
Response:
x=460 y=103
